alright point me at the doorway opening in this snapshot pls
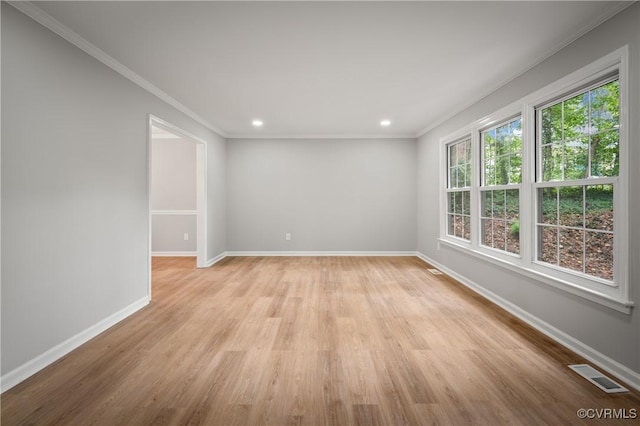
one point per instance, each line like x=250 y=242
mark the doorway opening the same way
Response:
x=177 y=193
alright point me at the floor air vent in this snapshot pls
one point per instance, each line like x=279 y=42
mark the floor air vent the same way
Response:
x=434 y=271
x=598 y=379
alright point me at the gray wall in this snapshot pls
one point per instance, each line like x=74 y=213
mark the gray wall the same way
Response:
x=75 y=189
x=173 y=187
x=331 y=195
x=173 y=174
x=611 y=333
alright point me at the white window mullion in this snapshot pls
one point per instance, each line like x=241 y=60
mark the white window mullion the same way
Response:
x=528 y=232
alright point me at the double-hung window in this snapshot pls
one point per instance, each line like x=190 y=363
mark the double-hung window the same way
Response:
x=540 y=186
x=501 y=150
x=459 y=189
x=577 y=170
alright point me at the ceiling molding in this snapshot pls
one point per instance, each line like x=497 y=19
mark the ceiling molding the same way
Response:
x=318 y=136
x=46 y=20
x=552 y=51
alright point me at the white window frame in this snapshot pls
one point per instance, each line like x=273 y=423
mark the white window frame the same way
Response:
x=494 y=122
x=447 y=190
x=616 y=295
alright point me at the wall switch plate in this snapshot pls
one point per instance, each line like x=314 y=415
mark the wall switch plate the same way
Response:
x=186 y=237
x=287 y=236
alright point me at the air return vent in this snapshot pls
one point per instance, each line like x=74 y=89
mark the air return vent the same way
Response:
x=598 y=379
x=434 y=271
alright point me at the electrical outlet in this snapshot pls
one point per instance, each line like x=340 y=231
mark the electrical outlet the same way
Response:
x=186 y=237
x=287 y=236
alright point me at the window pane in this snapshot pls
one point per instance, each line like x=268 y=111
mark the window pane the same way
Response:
x=599 y=255
x=551 y=126
x=457 y=219
x=604 y=154
x=452 y=155
x=549 y=199
x=552 y=162
x=571 y=249
x=502 y=149
x=515 y=175
x=515 y=146
x=571 y=206
x=466 y=232
x=487 y=232
x=458 y=202
x=487 y=203
x=460 y=164
x=512 y=202
x=466 y=202
x=548 y=244
x=451 y=224
x=599 y=207
x=513 y=237
x=498 y=204
x=576 y=159
x=576 y=116
x=451 y=203
x=566 y=126
x=490 y=172
x=502 y=170
x=499 y=236
x=461 y=155
x=605 y=107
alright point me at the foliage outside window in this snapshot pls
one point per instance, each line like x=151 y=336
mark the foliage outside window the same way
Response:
x=578 y=149
x=458 y=189
x=500 y=193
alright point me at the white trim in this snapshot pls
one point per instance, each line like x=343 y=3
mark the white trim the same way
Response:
x=174 y=254
x=201 y=189
x=47 y=358
x=319 y=136
x=319 y=253
x=46 y=20
x=603 y=361
x=569 y=287
x=174 y=212
x=216 y=259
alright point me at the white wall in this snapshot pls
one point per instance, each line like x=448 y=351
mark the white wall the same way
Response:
x=611 y=333
x=173 y=188
x=75 y=199
x=331 y=195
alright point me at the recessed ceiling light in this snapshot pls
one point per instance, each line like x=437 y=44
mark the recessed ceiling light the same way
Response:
x=385 y=123
x=257 y=123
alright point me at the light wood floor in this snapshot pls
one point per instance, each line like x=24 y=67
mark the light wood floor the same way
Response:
x=326 y=340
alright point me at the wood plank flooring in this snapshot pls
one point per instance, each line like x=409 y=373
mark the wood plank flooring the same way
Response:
x=312 y=341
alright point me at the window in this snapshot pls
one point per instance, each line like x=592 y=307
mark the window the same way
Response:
x=458 y=189
x=578 y=147
x=500 y=194
x=540 y=187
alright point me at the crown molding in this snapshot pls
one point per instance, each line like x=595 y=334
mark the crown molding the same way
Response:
x=318 y=136
x=49 y=22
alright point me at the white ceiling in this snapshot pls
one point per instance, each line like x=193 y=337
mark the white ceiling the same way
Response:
x=328 y=68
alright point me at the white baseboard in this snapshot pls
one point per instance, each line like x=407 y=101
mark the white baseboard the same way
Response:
x=320 y=253
x=30 y=368
x=216 y=259
x=610 y=365
x=173 y=253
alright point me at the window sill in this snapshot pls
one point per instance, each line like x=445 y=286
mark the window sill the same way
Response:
x=624 y=306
